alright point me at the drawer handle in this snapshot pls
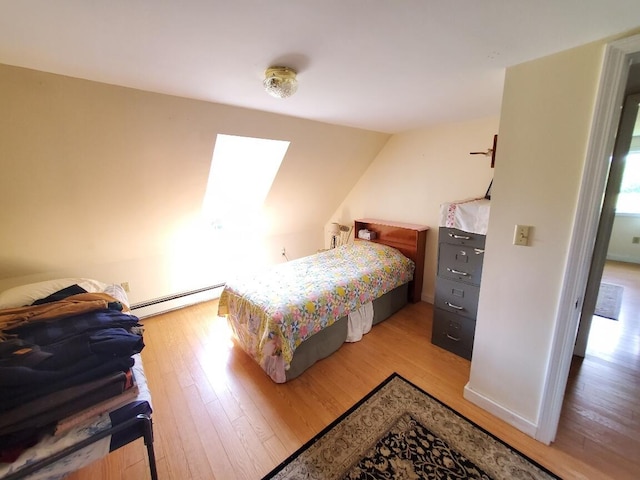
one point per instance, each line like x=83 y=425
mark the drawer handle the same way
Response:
x=479 y=251
x=451 y=337
x=457 y=307
x=458 y=272
x=459 y=237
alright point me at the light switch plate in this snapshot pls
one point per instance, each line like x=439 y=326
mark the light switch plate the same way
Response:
x=521 y=235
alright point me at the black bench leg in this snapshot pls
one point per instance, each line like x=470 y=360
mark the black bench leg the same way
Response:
x=147 y=432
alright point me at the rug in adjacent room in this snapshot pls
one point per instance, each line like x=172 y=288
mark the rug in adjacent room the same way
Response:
x=398 y=431
x=609 y=301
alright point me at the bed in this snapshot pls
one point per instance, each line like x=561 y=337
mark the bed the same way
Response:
x=293 y=314
x=90 y=403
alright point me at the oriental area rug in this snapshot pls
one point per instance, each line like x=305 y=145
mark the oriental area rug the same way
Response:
x=398 y=431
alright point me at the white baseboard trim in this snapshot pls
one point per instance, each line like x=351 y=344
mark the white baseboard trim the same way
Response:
x=499 y=411
x=149 y=309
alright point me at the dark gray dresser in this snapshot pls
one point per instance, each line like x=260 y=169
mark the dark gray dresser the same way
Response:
x=460 y=257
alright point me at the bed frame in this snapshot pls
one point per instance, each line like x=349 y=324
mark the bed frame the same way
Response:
x=409 y=238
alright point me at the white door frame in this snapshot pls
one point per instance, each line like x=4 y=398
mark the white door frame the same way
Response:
x=624 y=136
x=617 y=59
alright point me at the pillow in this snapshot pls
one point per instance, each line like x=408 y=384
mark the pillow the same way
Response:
x=27 y=294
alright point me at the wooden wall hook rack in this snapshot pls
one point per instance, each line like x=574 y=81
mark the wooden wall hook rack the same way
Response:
x=490 y=151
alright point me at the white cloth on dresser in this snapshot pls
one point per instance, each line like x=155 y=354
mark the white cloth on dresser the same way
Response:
x=360 y=322
x=468 y=215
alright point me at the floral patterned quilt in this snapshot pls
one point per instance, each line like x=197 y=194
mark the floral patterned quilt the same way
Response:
x=274 y=311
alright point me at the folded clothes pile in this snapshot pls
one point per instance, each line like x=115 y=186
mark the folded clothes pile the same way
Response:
x=58 y=357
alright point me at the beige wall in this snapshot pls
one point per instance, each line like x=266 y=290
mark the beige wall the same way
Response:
x=416 y=172
x=545 y=125
x=107 y=182
x=621 y=246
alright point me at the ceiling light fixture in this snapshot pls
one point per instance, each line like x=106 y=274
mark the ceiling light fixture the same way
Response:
x=280 y=82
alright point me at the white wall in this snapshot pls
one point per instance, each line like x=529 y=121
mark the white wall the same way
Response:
x=107 y=182
x=621 y=246
x=545 y=124
x=418 y=170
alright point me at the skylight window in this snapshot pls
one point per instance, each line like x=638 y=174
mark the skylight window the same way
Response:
x=241 y=175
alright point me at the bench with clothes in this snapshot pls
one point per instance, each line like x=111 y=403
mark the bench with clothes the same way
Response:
x=72 y=386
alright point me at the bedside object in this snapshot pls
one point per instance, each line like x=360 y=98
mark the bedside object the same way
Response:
x=339 y=234
x=334 y=230
x=365 y=234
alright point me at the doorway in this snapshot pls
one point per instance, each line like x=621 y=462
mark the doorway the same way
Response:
x=620 y=56
x=628 y=129
x=598 y=417
x=599 y=420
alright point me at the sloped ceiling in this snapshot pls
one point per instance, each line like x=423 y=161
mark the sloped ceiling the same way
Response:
x=381 y=65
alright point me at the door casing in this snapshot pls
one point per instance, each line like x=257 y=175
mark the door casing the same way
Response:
x=618 y=57
x=607 y=217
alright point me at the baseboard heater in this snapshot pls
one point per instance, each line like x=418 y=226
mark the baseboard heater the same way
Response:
x=175 y=301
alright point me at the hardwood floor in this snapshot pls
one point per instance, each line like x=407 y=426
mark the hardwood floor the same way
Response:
x=601 y=413
x=218 y=416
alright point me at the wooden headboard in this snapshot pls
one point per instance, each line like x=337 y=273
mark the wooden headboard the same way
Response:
x=410 y=239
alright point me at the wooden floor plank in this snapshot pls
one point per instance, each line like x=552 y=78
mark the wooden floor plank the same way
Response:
x=205 y=429
x=241 y=460
x=193 y=445
x=277 y=450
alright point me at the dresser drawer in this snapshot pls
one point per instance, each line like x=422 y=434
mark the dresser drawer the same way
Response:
x=453 y=333
x=459 y=237
x=461 y=263
x=457 y=297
